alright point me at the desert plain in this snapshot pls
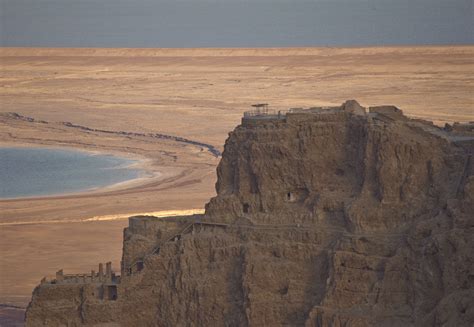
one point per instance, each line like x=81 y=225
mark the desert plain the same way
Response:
x=172 y=109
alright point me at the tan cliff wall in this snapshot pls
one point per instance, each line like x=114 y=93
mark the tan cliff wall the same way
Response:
x=322 y=218
x=330 y=163
x=145 y=233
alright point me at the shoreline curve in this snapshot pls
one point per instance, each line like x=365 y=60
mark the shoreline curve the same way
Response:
x=147 y=173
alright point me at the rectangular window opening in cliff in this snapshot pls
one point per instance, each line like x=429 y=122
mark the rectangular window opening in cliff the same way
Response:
x=246 y=208
x=297 y=195
x=112 y=292
x=290 y=197
x=140 y=265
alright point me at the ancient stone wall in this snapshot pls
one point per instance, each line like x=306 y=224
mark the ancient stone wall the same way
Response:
x=144 y=235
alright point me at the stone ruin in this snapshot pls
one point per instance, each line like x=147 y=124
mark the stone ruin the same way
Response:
x=105 y=283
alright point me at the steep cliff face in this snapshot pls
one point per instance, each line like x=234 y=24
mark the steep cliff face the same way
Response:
x=323 y=217
x=307 y=167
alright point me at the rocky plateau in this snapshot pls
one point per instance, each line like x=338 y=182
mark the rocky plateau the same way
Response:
x=340 y=216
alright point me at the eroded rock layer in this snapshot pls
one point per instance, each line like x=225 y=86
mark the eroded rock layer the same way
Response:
x=323 y=217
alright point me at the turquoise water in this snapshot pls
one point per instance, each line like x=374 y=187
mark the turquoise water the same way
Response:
x=26 y=172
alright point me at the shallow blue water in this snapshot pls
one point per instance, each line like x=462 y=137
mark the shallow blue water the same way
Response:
x=28 y=172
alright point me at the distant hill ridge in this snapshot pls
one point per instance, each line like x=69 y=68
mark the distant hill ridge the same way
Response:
x=184 y=52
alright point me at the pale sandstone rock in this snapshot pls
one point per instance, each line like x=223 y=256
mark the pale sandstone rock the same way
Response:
x=333 y=217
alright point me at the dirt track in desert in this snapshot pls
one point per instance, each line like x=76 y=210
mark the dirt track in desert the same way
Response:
x=122 y=97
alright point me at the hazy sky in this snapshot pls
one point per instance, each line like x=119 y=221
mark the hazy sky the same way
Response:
x=234 y=23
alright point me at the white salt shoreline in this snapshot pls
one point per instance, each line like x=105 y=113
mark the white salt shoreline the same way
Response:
x=158 y=214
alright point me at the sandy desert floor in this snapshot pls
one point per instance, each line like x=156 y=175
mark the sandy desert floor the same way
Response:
x=155 y=105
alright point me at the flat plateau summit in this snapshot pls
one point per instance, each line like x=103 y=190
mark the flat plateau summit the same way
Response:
x=336 y=216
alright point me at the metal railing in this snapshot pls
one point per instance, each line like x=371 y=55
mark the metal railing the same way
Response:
x=266 y=113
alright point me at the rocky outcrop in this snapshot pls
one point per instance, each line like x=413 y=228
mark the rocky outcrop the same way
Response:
x=323 y=217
